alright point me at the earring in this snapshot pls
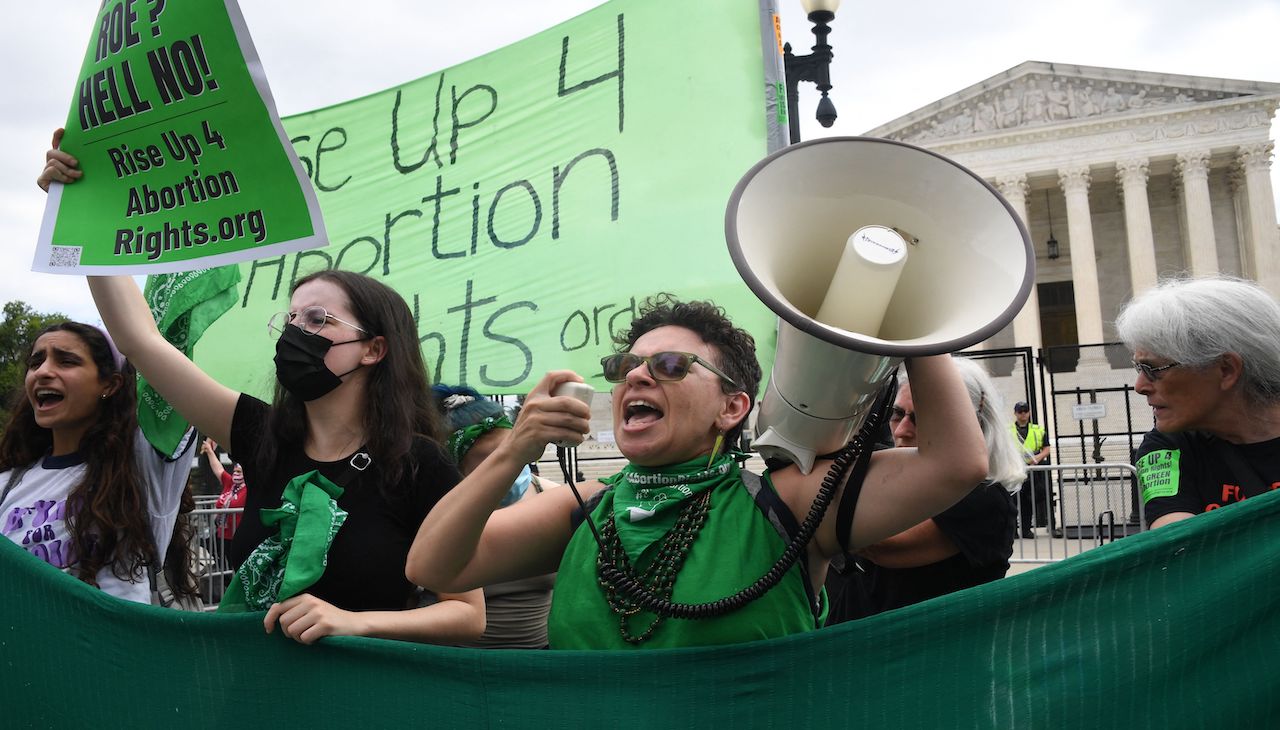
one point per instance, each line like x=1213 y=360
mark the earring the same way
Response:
x=104 y=396
x=715 y=450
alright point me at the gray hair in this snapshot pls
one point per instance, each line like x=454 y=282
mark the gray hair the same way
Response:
x=1005 y=464
x=1196 y=321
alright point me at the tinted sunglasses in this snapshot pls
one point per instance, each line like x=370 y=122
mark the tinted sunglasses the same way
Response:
x=663 y=366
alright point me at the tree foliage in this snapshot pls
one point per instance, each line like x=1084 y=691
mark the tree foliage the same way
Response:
x=17 y=334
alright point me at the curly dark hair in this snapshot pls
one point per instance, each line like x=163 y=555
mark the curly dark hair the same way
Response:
x=399 y=405
x=107 y=511
x=735 y=348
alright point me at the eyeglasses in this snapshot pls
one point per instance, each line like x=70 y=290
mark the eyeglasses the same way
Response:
x=1153 y=373
x=310 y=320
x=896 y=415
x=663 y=366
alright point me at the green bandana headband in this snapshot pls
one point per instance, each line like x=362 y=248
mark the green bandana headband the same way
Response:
x=292 y=560
x=461 y=441
x=646 y=501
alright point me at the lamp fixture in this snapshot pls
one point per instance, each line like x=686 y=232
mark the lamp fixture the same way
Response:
x=1052 y=243
x=813 y=67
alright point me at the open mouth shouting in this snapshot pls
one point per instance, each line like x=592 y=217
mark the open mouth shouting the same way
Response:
x=639 y=413
x=47 y=398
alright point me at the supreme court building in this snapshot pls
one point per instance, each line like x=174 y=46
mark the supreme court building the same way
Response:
x=1137 y=175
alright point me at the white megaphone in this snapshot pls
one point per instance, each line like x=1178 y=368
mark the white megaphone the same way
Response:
x=869 y=251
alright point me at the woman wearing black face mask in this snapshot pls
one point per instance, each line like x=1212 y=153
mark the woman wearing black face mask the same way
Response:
x=349 y=455
x=352 y=439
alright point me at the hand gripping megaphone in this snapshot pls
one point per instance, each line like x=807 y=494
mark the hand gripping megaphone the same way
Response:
x=869 y=251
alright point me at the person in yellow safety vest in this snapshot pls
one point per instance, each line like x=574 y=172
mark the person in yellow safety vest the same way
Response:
x=1034 y=502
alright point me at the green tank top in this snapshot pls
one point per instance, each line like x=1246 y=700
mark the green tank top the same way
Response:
x=735 y=547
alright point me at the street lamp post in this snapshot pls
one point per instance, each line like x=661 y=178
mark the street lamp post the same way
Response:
x=813 y=67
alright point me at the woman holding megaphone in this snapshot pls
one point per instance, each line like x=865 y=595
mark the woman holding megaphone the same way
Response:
x=659 y=555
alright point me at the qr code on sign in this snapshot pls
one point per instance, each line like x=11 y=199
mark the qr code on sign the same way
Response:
x=64 y=256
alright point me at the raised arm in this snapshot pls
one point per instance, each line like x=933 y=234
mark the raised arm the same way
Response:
x=200 y=399
x=207 y=404
x=210 y=450
x=905 y=486
x=464 y=543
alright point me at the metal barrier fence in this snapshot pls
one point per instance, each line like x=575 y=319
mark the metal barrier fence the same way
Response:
x=1066 y=509
x=213 y=567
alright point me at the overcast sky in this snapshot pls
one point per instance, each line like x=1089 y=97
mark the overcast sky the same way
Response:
x=891 y=58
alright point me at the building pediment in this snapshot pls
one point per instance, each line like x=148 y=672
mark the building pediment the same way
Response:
x=1038 y=94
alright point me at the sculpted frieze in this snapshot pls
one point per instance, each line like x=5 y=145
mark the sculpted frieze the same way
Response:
x=1039 y=100
x=1121 y=137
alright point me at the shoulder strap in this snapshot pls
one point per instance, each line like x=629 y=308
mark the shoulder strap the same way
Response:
x=780 y=516
x=771 y=505
x=849 y=499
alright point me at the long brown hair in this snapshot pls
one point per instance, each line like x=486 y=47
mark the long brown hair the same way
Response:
x=398 y=400
x=107 y=512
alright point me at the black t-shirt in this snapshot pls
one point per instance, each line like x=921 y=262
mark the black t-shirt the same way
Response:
x=366 y=560
x=981 y=525
x=1192 y=472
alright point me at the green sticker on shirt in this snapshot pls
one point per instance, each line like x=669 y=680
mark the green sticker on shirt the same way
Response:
x=1158 y=473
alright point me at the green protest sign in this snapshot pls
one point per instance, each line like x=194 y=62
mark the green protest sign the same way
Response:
x=186 y=164
x=524 y=202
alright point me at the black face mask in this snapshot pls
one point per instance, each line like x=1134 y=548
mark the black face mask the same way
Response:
x=300 y=364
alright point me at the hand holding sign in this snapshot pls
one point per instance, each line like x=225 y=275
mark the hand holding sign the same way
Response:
x=189 y=165
x=58 y=165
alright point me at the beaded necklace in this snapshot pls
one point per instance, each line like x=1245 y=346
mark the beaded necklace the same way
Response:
x=659 y=577
x=640 y=494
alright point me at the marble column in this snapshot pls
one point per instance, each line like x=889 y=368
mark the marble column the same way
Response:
x=1026 y=326
x=1132 y=174
x=1202 y=250
x=1084 y=264
x=1262 y=240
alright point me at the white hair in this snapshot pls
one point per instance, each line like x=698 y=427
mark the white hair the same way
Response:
x=1196 y=321
x=1005 y=464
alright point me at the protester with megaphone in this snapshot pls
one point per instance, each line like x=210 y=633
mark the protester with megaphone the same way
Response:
x=669 y=544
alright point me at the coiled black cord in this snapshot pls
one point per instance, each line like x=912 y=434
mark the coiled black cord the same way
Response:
x=628 y=586
x=843 y=460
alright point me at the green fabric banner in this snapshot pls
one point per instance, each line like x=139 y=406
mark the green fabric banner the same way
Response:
x=186 y=164
x=525 y=201
x=1174 y=628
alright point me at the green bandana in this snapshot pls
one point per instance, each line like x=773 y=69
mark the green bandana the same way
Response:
x=290 y=561
x=646 y=501
x=461 y=441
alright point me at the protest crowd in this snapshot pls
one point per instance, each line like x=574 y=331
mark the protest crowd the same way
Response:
x=378 y=507
x=361 y=494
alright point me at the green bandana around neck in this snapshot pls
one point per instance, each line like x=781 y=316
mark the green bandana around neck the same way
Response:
x=646 y=501
x=461 y=441
x=292 y=560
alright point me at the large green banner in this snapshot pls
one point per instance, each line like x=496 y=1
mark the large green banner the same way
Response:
x=1173 y=628
x=525 y=201
x=186 y=163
